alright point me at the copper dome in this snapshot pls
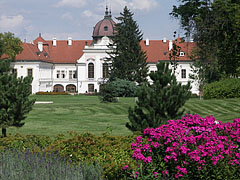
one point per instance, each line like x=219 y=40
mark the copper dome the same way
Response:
x=104 y=27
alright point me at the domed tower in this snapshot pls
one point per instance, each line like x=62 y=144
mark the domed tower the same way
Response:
x=105 y=27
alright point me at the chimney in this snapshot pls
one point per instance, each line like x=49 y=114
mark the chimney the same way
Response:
x=54 y=42
x=40 y=46
x=147 y=41
x=69 y=41
x=164 y=40
x=170 y=45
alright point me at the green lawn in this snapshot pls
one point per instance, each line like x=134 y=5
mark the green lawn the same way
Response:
x=87 y=114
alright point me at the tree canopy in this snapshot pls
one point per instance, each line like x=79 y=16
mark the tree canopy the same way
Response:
x=128 y=59
x=215 y=27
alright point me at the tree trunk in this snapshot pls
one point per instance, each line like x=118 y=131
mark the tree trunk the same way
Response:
x=4 y=132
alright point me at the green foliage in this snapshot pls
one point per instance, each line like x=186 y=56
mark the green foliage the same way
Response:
x=52 y=93
x=108 y=93
x=159 y=101
x=125 y=88
x=128 y=59
x=9 y=45
x=214 y=25
x=27 y=165
x=14 y=92
x=111 y=152
x=118 y=88
x=174 y=53
x=228 y=88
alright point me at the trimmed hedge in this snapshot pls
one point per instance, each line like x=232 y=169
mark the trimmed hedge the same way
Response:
x=228 y=88
x=110 y=152
x=52 y=93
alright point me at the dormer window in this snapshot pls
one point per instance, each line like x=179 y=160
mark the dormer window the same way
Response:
x=105 y=28
x=181 y=54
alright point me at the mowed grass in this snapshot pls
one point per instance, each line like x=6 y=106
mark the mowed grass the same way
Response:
x=88 y=114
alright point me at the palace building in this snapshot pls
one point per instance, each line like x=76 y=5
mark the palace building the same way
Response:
x=81 y=65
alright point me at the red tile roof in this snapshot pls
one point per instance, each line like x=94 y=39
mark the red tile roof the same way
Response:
x=31 y=53
x=156 y=51
x=63 y=53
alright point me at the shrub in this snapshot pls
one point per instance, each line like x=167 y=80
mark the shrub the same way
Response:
x=159 y=101
x=190 y=148
x=228 y=88
x=52 y=93
x=125 y=88
x=118 y=88
x=108 y=93
x=111 y=152
x=27 y=165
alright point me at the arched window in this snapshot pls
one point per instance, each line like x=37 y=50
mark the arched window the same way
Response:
x=58 y=88
x=105 y=70
x=71 y=88
x=90 y=70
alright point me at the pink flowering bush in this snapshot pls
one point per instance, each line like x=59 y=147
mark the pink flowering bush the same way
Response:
x=189 y=148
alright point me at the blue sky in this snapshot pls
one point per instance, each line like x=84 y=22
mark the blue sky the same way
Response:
x=76 y=18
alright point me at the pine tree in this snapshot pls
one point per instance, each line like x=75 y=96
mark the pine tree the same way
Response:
x=128 y=59
x=14 y=92
x=159 y=101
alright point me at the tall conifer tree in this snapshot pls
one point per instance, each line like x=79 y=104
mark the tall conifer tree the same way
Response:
x=14 y=92
x=128 y=59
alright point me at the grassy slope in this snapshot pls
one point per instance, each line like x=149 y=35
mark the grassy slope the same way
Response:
x=86 y=113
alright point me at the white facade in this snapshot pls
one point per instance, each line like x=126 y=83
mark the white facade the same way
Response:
x=78 y=76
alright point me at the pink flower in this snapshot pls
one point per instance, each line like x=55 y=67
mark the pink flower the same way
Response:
x=125 y=167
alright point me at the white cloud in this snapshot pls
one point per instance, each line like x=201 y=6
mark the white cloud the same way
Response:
x=10 y=22
x=72 y=3
x=143 y=4
x=91 y=15
x=117 y=6
x=67 y=16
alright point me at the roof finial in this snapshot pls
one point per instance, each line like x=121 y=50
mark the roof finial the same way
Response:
x=106 y=12
x=39 y=34
x=110 y=12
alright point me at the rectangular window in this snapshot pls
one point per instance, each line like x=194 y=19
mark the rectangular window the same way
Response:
x=30 y=72
x=63 y=74
x=74 y=74
x=70 y=75
x=90 y=88
x=183 y=74
x=14 y=71
x=58 y=74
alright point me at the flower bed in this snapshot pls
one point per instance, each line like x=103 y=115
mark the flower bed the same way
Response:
x=189 y=148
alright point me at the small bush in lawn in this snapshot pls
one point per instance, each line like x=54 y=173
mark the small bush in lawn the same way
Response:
x=27 y=165
x=108 y=93
x=190 y=148
x=228 y=88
